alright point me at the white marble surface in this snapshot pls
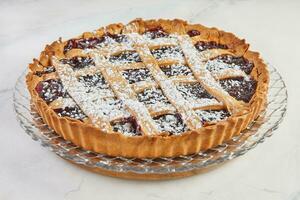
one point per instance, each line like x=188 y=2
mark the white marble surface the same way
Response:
x=28 y=171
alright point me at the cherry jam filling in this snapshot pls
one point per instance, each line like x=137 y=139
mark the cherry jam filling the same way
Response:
x=113 y=107
x=94 y=81
x=176 y=70
x=50 y=90
x=78 y=62
x=170 y=52
x=171 y=123
x=46 y=70
x=202 y=46
x=137 y=75
x=194 y=91
x=212 y=115
x=240 y=88
x=72 y=112
x=83 y=43
x=93 y=42
x=126 y=57
x=128 y=126
x=119 y=38
x=193 y=33
x=242 y=62
x=156 y=32
x=152 y=96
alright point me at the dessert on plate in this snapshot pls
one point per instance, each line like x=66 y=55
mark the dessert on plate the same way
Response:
x=151 y=88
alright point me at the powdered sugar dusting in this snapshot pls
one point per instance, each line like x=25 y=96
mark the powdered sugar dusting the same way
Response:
x=90 y=103
x=176 y=70
x=137 y=75
x=168 y=52
x=212 y=115
x=197 y=95
x=219 y=68
x=126 y=128
x=167 y=85
x=64 y=102
x=171 y=123
x=217 y=65
x=114 y=99
x=198 y=66
x=113 y=108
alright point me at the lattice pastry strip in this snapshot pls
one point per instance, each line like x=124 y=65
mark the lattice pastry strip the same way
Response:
x=56 y=96
x=88 y=102
x=167 y=86
x=112 y=73
x=62 y=103
x=118 y=84
x=197 y=64
x=126 y=94
x=114 y=49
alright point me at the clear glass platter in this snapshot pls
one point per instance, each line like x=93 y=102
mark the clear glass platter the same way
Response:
x=159 y=168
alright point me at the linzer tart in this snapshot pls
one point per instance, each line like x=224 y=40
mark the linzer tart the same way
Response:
x=151 y=88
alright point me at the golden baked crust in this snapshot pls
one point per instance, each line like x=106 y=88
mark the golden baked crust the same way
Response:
x=85 y=134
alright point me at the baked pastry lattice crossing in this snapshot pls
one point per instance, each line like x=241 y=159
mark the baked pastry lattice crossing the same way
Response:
x=186 y=54
x=149 y=81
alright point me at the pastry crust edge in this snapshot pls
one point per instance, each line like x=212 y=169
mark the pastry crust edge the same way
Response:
x=114 y=144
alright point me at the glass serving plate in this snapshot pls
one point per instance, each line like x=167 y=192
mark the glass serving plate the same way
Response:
x=159 y=168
